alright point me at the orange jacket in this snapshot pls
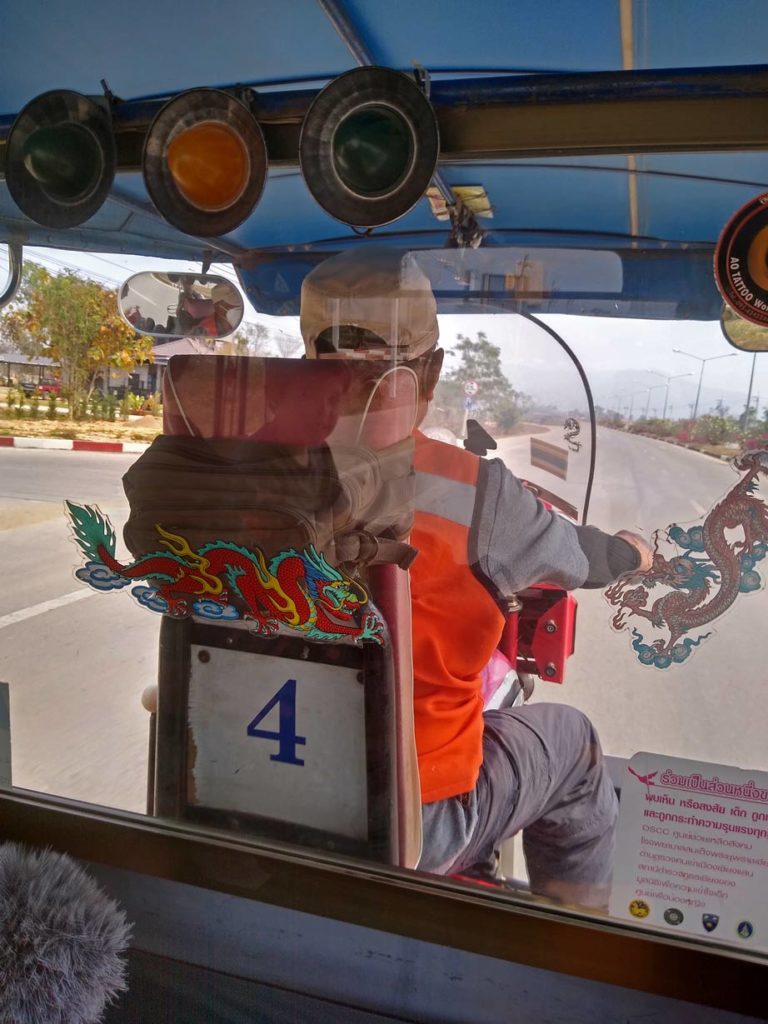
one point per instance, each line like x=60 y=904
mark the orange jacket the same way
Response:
x=456 y=623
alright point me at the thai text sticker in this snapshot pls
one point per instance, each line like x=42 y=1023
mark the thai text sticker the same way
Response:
x=692 y=849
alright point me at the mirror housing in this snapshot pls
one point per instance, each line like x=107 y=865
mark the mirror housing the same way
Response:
x=10 y=276
x=165 y=304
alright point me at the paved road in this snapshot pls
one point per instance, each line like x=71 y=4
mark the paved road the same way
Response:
x=77 y=662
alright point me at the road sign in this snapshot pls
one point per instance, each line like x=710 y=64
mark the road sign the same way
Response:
x=471 y=387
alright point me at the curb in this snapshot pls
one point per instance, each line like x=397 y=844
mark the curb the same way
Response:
x=65 y=444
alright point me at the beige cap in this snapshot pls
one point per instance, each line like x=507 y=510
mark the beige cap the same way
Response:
x=380 y=290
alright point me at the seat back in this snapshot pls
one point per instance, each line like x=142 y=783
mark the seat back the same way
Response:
x=289 y=731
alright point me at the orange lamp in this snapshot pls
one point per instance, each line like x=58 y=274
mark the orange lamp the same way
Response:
x=205 y=162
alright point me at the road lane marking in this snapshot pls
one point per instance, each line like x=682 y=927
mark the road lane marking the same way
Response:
x=43 y=607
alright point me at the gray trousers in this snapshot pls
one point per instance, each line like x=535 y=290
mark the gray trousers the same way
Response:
x=542 y=773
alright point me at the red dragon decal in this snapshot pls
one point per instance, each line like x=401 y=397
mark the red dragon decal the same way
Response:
x=705 y=579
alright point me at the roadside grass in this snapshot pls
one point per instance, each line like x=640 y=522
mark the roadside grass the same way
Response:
x=143 y=429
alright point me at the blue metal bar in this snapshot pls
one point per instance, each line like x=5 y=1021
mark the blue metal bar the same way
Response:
x=346 y=31
x=700 y=84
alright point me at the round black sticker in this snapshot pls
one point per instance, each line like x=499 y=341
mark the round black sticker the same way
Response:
x=741 y=261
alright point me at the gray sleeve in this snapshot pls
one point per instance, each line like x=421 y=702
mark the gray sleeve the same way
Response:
x=515 y=541
x=608 y=556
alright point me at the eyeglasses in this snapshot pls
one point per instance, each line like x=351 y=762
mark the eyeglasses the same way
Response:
x=350 y=338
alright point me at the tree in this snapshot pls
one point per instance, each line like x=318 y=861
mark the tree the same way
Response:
x=252 y=340
x=496 y=404
x=288 y=345
x=75 y=323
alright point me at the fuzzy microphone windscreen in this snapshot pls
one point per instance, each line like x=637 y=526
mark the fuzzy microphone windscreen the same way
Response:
x=61 y=940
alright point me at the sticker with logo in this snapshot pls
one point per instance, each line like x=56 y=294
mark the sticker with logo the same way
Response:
x=639 y=908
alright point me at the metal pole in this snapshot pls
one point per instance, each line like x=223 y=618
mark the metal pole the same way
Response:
x=703 y=360
x=698 y=392
x=666 y=399
x=748 y=411
x=651 y=389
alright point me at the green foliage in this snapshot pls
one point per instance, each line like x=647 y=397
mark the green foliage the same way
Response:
x=74 y=322
x=151 y=405
x=34 y=407
x=655 y=426
x=713 y=429
x=12 y=398
x=496 y=405
x=51 y=411
x=96 y=405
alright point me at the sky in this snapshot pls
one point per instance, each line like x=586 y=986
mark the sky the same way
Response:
x=623 y=358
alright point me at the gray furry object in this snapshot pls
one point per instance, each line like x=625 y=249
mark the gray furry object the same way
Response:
x=60 y=941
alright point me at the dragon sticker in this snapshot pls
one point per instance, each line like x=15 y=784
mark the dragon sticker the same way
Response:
x=298 y=590
x=571 y=430
x=695 y=587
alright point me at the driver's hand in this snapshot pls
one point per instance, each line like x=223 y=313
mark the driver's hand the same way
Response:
x=643 y=548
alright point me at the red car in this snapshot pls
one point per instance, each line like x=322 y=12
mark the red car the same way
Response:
x=49 y=387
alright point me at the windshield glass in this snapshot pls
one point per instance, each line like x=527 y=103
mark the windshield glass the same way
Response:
x=368 y=601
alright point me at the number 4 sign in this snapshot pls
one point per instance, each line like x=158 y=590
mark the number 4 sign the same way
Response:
x=286 y=736
x=254 y=718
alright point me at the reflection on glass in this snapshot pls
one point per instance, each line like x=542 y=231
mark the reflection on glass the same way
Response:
x=5 y=268
x=181 y=305
x=742 y=334
x=278 y=523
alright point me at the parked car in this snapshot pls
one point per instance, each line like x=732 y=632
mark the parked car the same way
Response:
x=28 y=387
x=49 y=386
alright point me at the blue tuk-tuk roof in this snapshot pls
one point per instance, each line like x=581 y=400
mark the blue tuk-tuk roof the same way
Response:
x=147 y=49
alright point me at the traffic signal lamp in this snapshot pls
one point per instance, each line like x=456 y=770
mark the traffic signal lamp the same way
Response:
x=60 y=160
x=369 y=146
x=205 y=162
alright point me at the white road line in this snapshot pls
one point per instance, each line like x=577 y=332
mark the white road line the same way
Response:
x=44 y=606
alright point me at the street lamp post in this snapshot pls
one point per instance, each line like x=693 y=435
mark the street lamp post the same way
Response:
x=748 y=409
x=653 y=387
x=632 y=401
x=668 y=379
x=703 y=360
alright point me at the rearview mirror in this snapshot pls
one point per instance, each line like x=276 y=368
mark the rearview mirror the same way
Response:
x=741 y=333
x=181 y=305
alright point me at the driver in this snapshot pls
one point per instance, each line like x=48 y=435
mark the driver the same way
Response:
x=481 y=536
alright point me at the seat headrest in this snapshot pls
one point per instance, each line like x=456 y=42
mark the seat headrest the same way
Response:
x=289 y=401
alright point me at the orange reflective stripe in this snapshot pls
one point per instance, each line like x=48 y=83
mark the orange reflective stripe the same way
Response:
x=445 y=460
x=456 y=623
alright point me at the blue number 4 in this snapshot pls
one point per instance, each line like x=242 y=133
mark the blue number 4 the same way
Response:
x=286 y=736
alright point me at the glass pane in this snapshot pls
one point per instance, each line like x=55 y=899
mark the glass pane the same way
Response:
x=375 y=598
